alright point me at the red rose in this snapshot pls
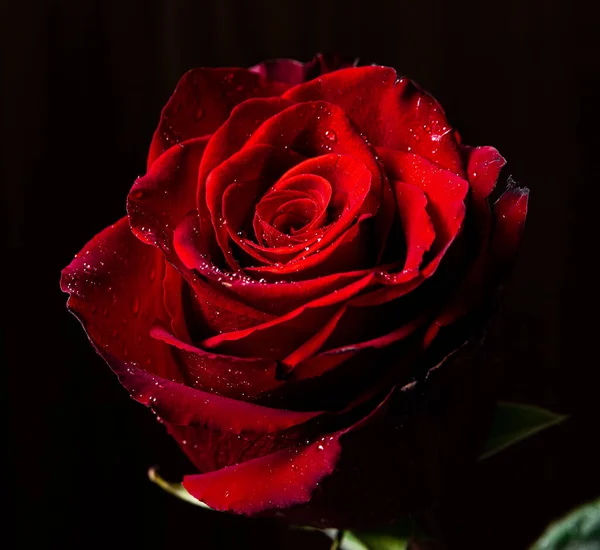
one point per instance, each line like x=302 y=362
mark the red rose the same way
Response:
x=296 y=264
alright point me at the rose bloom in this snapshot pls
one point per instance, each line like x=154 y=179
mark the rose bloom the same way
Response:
x=298 y=289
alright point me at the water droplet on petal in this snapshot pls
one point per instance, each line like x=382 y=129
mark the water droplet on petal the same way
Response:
x=330 y=135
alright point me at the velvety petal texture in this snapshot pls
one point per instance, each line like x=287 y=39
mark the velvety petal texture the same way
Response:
x=299 y=286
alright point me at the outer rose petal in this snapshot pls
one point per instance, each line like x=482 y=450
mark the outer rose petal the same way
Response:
x=413 y=439
x=510 y=211
x=286 y=478
x=202 y=101
x=213 y=431
x=494 y=259
x=473 y=283
x=390 y=112
x=115 y=284
x=290 y=71
x=483 y=167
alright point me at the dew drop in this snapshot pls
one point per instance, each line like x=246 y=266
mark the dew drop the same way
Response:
x=330 y=135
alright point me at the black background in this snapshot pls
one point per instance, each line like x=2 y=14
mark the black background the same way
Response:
x=84 y=82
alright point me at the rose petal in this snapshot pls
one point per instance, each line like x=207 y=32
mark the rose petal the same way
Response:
x=314 y=343
x=213 y=431
x=445 y=192
x=473 y=284
x=483 y=167
x=286 y=478
x=510 y=211
x=290 y=71
x=115 y=287
x=174 y=287
x=158 y=200
x=202 y=101
x=315 y=366
x=416 y=223
x=494 y=259
x=224 y=375
x=389 y=111
x=277 y=338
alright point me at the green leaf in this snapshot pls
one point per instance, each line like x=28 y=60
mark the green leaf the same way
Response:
x=394 y=537
x=514 y=422
x=578 y=530
x=373 y=541
x=176 y=489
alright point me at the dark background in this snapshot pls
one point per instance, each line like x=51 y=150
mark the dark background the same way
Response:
x=84 y=82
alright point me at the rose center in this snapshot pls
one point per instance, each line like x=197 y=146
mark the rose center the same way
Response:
x=293 y=208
